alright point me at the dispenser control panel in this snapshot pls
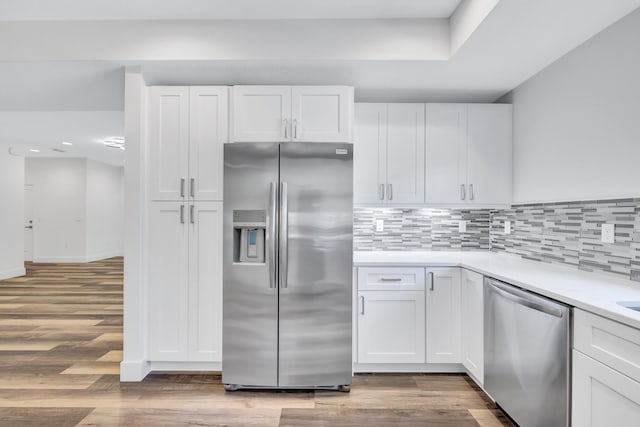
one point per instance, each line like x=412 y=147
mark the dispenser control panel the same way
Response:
x=249 y=228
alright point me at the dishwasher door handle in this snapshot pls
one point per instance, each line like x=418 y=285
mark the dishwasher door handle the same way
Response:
x=534 y=305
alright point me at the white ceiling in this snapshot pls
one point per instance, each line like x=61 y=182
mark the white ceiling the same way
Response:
x=98 y=10
x=515 y=41
x=46 y=130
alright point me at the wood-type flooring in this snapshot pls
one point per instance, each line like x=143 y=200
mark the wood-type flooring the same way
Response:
x=61 y=344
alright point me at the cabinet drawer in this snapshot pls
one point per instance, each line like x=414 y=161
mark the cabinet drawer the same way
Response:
x=612 y=343
x=390 y=279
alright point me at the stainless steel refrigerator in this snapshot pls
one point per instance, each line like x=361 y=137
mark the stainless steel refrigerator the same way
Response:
x=288 y=256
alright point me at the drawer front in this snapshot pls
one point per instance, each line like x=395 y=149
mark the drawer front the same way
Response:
x=390 y=279
x=612 y=343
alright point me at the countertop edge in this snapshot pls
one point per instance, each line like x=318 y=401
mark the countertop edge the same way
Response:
x=575 y=301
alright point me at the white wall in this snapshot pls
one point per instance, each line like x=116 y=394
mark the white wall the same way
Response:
x=103 y=210
x=59 y=192
x=577 y=123
x=11 y=214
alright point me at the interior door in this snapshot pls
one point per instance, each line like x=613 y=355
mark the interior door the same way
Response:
x=28 y=222
x=315 y=264
x=250 y=297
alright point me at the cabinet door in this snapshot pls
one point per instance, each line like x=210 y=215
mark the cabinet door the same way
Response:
x=369 y=153
x=443 y=315
x=489 y=137
x=168 y=142
x=446 y=158
x=601 y=396
x=405 y=153
x=391 y=327
x=261 y=113
x=472 y=297
x=205 y=282
x=321 y=113
x=167 y=281
x=208 y=113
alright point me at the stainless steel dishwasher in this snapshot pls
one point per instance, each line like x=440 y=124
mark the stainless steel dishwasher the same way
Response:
x=527 y=355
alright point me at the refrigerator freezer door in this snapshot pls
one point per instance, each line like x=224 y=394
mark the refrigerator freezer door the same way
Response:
x=250 y=297
x=315 y=305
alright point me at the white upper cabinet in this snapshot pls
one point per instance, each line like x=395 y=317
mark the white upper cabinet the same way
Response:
x=446 y=158
x=209 y=130
x=187 y=129
x=389 y=153
x=489 y=175
x=168 y=142
x=292 y=113
x=321 y=113
x=468 y=154
x=370 y=146
x=261 y=113
x=443 y=315
x=405 y=153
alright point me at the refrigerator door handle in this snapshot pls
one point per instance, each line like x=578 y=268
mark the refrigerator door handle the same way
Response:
x=271 y=234
x=284 y=235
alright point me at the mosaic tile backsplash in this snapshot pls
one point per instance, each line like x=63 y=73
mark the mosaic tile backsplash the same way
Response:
x=420 y=229
x=569 y=233
x=565 y=233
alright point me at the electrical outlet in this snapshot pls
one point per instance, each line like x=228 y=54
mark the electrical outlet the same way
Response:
x=507 y=227
x=608 y=233
x=462 y=226
x=379 y=225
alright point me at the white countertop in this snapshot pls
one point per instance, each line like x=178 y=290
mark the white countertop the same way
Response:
x=594 y=292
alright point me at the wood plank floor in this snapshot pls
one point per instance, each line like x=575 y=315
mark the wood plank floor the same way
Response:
x=61 y=344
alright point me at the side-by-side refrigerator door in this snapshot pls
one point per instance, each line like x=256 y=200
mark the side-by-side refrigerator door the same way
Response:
x=316 y=250
x=250 y=292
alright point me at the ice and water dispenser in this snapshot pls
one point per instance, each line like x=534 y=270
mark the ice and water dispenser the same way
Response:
x=248 y=235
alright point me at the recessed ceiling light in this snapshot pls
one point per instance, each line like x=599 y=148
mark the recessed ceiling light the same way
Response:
x=114 y=142
x=66 y=143
x=33 y=150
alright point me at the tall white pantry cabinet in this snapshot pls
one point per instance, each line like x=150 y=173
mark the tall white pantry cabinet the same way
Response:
x=187 y=129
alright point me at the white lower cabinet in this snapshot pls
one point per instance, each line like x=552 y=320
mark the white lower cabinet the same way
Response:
x=606 y=372
x=391 y=327
x=443 y=315
x=602 y=396
x=402 y=320
x=185 y=281
x=472 y=317
x=391 y=316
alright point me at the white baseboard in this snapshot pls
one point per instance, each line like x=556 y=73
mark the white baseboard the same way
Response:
x=75 y=258
x=185 y=366
x=104 y=255
x=408 y=367
x=58 y=259
x=133 y=371
x=14 y=272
